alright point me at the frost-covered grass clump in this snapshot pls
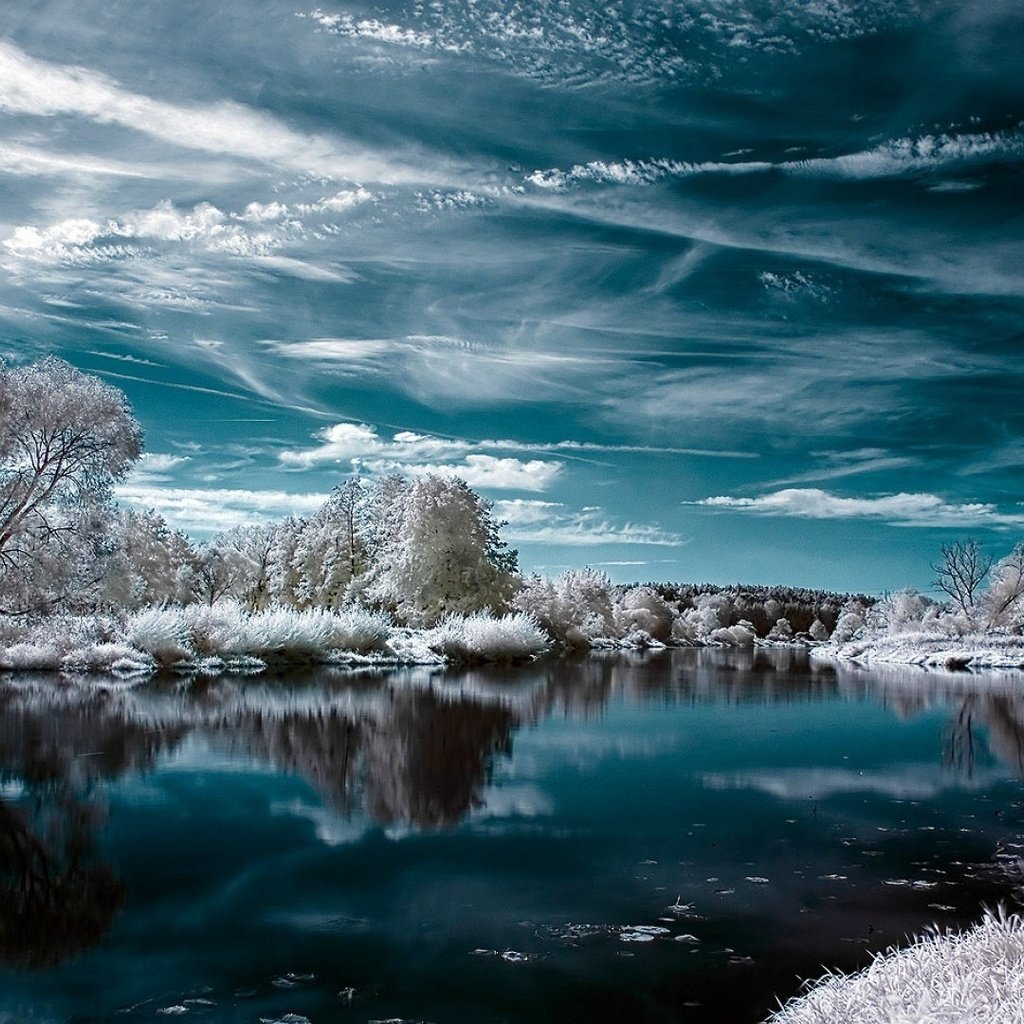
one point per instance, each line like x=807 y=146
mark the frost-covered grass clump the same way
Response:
x=483 y=637
x=191 y=636
x=227 y=630
x=976 y=976
x=162 y=633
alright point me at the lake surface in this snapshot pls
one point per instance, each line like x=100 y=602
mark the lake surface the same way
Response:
x=672 y=836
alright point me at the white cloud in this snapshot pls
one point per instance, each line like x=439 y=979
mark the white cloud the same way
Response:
x=79 y=237
x=153 y=466
x=897 y=509
x=29 y=85
x=207 y=511
x=345 y=441
x=899 y=156
x=487 y=471
x=544 y=522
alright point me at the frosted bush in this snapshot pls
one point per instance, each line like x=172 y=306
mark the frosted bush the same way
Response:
x=849 y=625
x=219 y=629
x=574 y=608
x=482 y=637
x=28 y=657
x=818 y=630
x=781 y=631
x=645 y=609
x=740 y=635
x=359 y=629
x=161 y=632
x=285 y=634
x=946 y=978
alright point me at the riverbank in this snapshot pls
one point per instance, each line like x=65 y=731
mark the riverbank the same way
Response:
x=931 y=650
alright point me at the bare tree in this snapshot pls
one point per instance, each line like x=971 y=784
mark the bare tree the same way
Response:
x=961 y=572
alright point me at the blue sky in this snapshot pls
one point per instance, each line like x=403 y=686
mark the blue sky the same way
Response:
x=716 y=290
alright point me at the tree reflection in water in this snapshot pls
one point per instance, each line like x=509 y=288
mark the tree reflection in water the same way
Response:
x=411 y=748
x=55 y=900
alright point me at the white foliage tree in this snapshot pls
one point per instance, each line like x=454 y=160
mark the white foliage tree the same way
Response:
x=441 y=554
x=331 y=548
x=1003 y=602
x=243 y=560
x=574 y=607
x=151 y=563
x=65 y=439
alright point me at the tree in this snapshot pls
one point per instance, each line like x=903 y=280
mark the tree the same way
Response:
x=65 y=439
x=961 y=572
x=444 y=556
x=151 y=564
x=331 y=548
x=1004 y=600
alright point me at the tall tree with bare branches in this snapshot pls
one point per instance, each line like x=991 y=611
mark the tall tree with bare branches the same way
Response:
x=961 y=572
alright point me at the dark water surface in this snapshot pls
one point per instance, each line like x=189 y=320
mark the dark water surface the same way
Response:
x=675 y=836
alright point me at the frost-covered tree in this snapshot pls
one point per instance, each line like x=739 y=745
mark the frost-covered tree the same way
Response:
x=1003 y=602
x=65 y=439
x=443 y=554
x=331 y=549
x=240 y=564
x=574 y=607
x=150 y=564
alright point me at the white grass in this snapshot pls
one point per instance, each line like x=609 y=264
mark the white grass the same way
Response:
x=225 y=637
x=483 y=637
x=161 y=632
x=360 y=630
x=974 y=977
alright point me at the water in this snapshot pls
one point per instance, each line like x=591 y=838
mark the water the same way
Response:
x=677 y=836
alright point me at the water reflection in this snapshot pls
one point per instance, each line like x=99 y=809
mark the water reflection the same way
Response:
x=411 y=749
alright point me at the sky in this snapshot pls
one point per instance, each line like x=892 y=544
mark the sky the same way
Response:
x=707 y=290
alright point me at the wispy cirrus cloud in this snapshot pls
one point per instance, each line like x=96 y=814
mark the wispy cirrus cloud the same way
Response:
x=33 y=86
x=902 y=509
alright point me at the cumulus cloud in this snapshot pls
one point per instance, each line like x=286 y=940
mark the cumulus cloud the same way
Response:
x=419 y=454
x=78 y=237
x=488 y=471
x=896 y=509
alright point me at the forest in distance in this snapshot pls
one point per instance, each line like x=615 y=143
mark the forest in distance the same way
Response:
x=395 y=568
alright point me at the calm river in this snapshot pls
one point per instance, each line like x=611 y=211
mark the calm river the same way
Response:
x=676 y=836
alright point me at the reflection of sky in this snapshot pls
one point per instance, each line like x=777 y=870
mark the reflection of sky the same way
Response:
x=795 y=820
x=605 y=261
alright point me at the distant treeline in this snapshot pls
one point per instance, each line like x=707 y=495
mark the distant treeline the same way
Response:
x=763 y=606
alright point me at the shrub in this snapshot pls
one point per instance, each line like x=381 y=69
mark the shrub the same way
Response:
x=162 y=632
x=482 y=637
x=359 y=629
